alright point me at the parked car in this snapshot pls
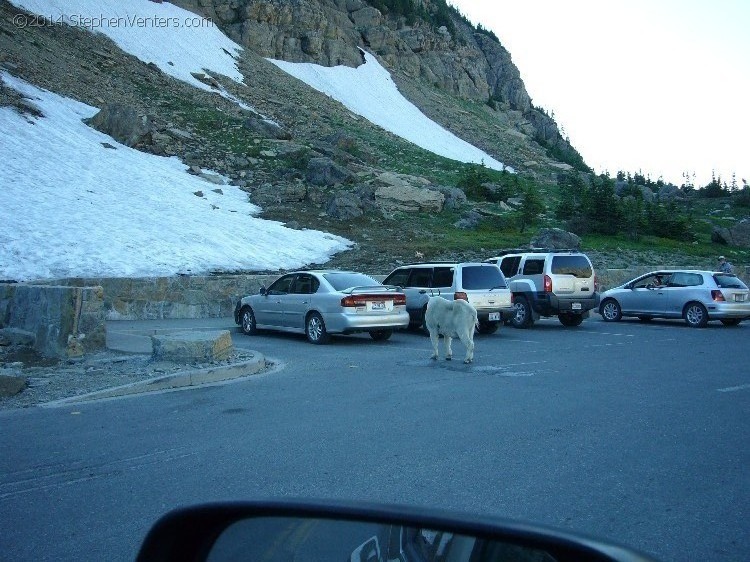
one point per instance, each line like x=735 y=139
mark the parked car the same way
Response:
x=481 y=284
x=695 y=296
x=548 y=283
x=320 y=303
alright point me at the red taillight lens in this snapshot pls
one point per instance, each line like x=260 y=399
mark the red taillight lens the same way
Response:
x=596 y=284
x=352 y=301
x=717 y=296
x=361 y=300
x=547 y=284
x=458 y=296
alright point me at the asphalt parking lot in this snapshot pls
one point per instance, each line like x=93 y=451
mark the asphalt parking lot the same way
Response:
x=632 y=432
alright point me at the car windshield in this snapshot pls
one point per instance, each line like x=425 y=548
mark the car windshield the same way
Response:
x=726 y=281
x=482 y=277
x=343 y=281
x=577 y=265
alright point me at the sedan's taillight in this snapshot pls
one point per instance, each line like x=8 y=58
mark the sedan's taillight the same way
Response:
x=361 y=300
x=351 y=300
x=460 y=296
x=547 y=284
x=717 y=296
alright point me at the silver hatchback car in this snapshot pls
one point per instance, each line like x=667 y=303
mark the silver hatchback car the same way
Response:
x=320 y=303
x=693 y=295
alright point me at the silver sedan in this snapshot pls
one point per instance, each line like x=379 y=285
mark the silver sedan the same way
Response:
x=320 y=303
x=695 y=296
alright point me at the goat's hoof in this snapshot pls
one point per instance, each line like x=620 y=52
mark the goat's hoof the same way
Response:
x=448 y=358
x=434 y=357
x=467 y=361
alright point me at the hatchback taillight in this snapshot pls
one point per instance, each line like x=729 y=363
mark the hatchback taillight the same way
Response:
x=547 y=284
x=399 y=298
x=460 y=296
x=717 y=296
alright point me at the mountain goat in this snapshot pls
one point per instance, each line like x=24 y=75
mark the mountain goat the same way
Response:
x=451 y=319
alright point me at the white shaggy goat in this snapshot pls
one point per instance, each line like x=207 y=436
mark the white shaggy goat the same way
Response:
x=451 y=319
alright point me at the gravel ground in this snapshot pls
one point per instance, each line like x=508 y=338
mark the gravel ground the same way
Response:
x=50 y=380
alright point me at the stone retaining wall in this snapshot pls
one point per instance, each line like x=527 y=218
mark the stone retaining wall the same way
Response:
x=59 y=321
x=206 y=297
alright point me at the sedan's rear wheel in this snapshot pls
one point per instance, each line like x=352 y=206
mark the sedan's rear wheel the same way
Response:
x=247 y=321
x=731 y=321
x=696 y=315
x=381 y=335
x=315 y=329
x=611 y=311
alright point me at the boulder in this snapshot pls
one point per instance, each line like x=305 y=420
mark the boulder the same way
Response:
x=669 y=192
x=721 y=235
x=192 y=347
x=267 y=128
x=324 y=171
x=407 y=199
x=124 y=123
x=556 y=238
x=10 y=385
x=344 y=205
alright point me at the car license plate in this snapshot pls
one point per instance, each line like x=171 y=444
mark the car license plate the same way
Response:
x=739 y=298
x=576 y=306
x=378 y=305
x=494 y=316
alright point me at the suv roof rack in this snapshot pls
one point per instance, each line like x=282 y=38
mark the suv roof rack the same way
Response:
x=536 y=251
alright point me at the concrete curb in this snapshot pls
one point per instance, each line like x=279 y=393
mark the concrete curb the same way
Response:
x=184 y=379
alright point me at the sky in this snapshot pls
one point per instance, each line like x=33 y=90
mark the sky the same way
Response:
x=88 y=206
x=660 y=87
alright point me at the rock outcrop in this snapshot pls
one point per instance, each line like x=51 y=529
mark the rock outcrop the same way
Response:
x=463 y=62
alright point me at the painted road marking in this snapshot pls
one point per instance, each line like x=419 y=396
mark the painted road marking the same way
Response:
x=734 y=388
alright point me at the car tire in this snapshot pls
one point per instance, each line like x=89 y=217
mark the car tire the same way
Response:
x=696 y=315
x=570 y=320
x=247 y=321
x=381 y=335
x=486 y=327
x=611 y=311
x=315 y=329
x=522 y=317
x=731 y=321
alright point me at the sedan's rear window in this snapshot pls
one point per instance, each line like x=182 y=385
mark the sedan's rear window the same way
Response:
x=341 y=281
x=577 y=266
x=482 y=277
x=729 y=282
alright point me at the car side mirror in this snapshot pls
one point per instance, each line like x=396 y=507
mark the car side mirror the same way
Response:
x=262 y=290
x=360 y=532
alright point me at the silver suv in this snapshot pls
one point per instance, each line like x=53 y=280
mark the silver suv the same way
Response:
x=482 y=284
x=548 y=283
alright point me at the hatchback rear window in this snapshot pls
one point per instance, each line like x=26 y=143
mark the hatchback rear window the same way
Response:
x=729 y=282
x=482 y=277
x=577 y=266
x=341 y=281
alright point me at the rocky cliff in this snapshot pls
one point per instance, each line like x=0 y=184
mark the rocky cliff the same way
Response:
x=461 y=61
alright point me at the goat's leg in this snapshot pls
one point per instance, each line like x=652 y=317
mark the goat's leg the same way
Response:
x=434 y=339
x=448 y=350
x=469 y=343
